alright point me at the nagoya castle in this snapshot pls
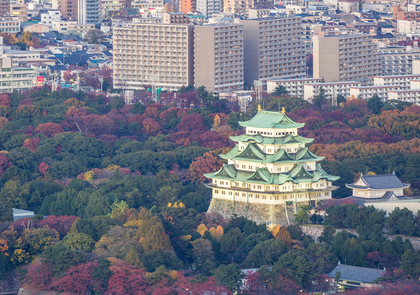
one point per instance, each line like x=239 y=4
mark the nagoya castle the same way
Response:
x=270 y=172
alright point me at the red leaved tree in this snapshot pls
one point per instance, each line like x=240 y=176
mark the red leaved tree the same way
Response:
x=5 y=100
x=43 y=168
x=207 y=163
x=49 y=129
x=78 y=280
x=126 y=279
x=4 y=163
x=31 y=143
x=39 y=276
x=61 y=224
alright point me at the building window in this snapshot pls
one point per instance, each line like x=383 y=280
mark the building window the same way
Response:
x=216 y=191
x=223 y=192
x=230 y=193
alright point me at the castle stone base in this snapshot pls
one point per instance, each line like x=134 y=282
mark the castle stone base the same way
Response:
x=260 y=213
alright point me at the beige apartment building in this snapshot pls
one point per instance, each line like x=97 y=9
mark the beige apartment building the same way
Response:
x=346 y=57
x=219 y=57
x=273 y=48
x=153 y=54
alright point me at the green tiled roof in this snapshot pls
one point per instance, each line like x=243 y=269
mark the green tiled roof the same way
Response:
x=288 y=139
x=297 y=175
x=266 y=119
x=253 y=154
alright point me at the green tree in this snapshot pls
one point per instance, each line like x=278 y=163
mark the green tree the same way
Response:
x=375 y=104
x=303 y=214
x=79 y=241
x=156 y=239
x=280 y=90
x=321 y=98
x=101 y=273
x=132 y=257
x=62 y=258
x=327 y=235
x=229 y=276
x=296 y=266
x=400 y=222
x=410 y=263
x=117 y=103
x=231 y=241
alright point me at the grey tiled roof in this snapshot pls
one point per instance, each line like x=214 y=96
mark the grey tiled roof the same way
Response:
x=357 y=273
x=384 y=181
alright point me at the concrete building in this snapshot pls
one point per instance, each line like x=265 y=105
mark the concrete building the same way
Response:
x=378 y=7
x=348 y=6
x=401 y=81
x=34 y=28
x=68 y=9
x=407 y=95
x=343 y=88
x=89 y=11
x=273 y=48
x=219 y=57
x=346 y=57
x=50 y=16
x=209 y=7
x=366 y=92
x=15 y=79
x=398 y=60
x=408 y=26
x=19 y=10
x=10 y=25
x=150 y=53
x=186 y=6
x=4 y=7
x=399 y=14
x=62 y=26
x=295 y=87
x=175 y=18
x=79 y=29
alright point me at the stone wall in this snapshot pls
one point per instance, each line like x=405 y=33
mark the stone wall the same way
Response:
x=315 y=231
x=260 y=213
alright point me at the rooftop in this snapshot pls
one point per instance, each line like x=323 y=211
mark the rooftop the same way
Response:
x=379 y=182
x=267 y=119
x=357 y=273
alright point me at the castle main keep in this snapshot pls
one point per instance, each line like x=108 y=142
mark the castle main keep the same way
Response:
x=270 y=172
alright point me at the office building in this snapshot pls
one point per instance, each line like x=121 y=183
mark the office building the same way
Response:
x=209 y=7
x=68 y=9
x=4 y=7
x=273 y=48
x=89 y=11
x=15 y=79
x=19 y=10
x=9 y=25
x=219 y=57
x=153 y=54
x=346 y=57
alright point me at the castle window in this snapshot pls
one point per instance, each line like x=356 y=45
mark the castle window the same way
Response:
x=276 y=188
x=215 y=181
x=284 y=197
x=259 y=187
x=237 y=165
x=243 y=184
x=236 y=194
x=250 y=167
x=327 y=194
x=291 y=196
x=243 y=166
x=250 y=195
x=277 y=197
x=299 y=195
x=318 y=194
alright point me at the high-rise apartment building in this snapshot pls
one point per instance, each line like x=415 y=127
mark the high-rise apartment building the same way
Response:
x=186 y=6
x=4 y=7
x=241 y=7
x=218 y=57
x=89 y=11
x=346 y=57
x=273 y=48
x=68 y=9
x=209 y=7
x=153 y=54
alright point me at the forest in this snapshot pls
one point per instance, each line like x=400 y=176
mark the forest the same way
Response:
x=120 y=202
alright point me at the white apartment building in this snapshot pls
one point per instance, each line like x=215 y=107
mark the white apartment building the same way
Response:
x=153 y=54
x=346 y=57
x=10 y=25
x=402 y=81
x=295 y=87
x=209 y=7
x=89 y=11
x=50 y=16
x=407 y=95
x=273 y=48
x=15 y=79
x=398 y=60
x=219 y=57
x=366 y=92
x=62 y=26
x=408 y=27
x=333 y=88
